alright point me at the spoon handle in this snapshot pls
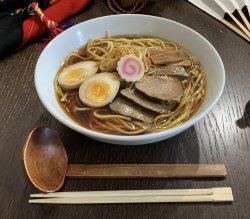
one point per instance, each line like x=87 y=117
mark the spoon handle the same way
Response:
x=146 y=170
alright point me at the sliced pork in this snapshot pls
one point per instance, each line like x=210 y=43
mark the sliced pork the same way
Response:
x=159 y=56
x=171 y=70
x=146 y=103
x=165 y=59
x=188 y=64
x=127 y=108
x=168 y=50
x=163 y=88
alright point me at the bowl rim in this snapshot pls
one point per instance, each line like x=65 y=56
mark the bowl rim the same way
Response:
x=130 y=138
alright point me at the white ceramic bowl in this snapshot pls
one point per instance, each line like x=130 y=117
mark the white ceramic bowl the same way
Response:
x=73 y=38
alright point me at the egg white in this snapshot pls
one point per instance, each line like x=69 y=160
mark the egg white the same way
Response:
x=85 y=70
x=106 y=78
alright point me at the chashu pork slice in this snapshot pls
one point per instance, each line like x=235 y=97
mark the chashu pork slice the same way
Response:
x=171 y=70
x=162 y=88
x=167 y=58
x=144 y=102
x=160 y=56
x=189 y=64
x=127 y=108
x=168 y=50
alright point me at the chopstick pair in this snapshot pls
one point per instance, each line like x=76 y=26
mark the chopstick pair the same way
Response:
x=218 y=8
x=219 y=194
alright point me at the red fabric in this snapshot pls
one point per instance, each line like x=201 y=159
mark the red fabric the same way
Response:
x=33 y=28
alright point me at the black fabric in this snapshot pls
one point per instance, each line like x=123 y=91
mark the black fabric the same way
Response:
x=6 y=5
x=11 y=30
x=12 y=15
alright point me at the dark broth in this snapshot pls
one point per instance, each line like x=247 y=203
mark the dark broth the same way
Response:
x=86 y=118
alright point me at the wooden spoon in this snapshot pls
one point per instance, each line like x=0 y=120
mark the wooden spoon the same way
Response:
x=45 y=161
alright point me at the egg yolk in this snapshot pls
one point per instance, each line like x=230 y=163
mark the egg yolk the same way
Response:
x=98 y=91
x=75 y=75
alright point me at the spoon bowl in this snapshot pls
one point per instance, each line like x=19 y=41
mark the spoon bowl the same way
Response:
x=45 y=159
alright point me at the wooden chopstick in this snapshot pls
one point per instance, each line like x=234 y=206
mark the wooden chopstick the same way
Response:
x=139 y=199
x=146 y=170
x=123 y=193
x=216 y=195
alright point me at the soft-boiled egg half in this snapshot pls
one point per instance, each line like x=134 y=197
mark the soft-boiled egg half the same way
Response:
x=72 y=76
x=99 y=90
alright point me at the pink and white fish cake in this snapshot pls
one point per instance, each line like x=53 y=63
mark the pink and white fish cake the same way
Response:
x=130 y=68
